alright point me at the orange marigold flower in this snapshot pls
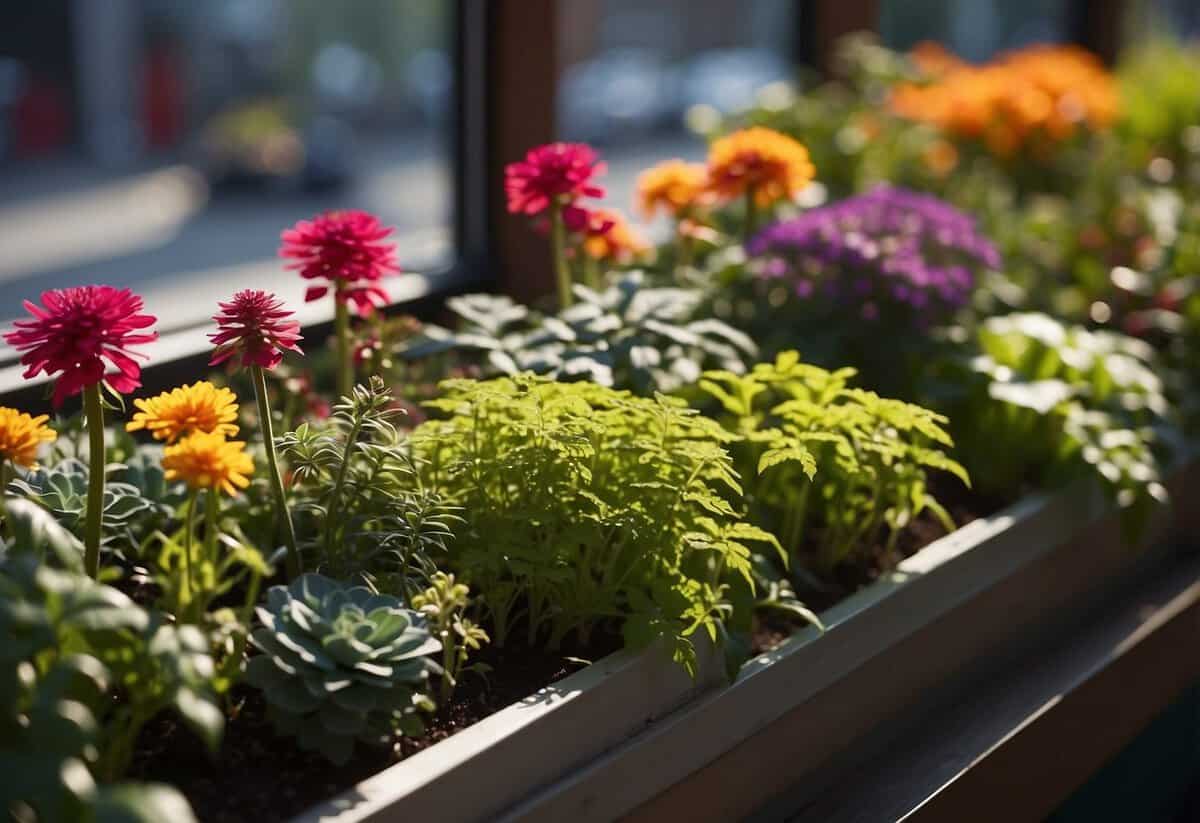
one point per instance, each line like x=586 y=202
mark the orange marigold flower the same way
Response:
x=769 y=165
x=206 y=460
x=20 y=436
x=1040 y=95
x=673 y=187
x=933 y=59
x=200 y=407
x=609 y=236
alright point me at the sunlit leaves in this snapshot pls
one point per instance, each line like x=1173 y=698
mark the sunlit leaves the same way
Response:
x=835 y=468
x=1046 y=401
x=586 y=506
x=359 y=497
x=68 y=647
x=784 y=453
x=630 y=335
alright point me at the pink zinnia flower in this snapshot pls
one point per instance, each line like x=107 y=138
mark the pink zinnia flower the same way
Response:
x=554 y=173
x=75 y=330
x=347 y=249
x=255 y=325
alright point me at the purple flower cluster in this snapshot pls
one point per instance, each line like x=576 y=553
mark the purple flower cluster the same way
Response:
x=888 y=248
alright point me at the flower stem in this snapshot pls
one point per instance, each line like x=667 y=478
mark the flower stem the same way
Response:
x=335 y=504
x=285 y=517
x=6 y=475
x=558 y=245
x=212 y=512
x=341 y=326
x=684 y=243
x=591 y=271
x=94 y=410
x=751 y=216
x=189 y=527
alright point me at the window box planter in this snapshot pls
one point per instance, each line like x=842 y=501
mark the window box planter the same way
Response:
x=610 y=739
x=498 y=761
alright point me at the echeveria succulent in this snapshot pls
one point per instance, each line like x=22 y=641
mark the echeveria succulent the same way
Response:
x=340 y=664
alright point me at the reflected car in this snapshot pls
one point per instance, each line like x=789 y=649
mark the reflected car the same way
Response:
x=257 y=146
x=615 y=96
x=727 y=79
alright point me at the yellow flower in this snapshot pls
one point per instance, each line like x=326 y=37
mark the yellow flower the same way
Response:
x=771 y=165
x=209 y=461
x=20 y=436
x=200 y=407
x=673 y=187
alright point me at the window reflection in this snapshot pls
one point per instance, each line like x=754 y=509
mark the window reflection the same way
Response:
x=163 y=144
x=974 y=29
x=1179 y=17
x=633 y=71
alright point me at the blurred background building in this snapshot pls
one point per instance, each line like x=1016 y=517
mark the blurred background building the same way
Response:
x=151 y=141
x=165 y=143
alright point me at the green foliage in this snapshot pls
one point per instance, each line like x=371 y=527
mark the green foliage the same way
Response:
x=33 y=531
x=359 y=501
x=587 y=505
x=1042 y=402
x=629 y=336
x=832 y=469
x=62 y=490
x=224 y=565
x=340 y=664
x=67 y=644
x=444 y=605
x=1160 y=95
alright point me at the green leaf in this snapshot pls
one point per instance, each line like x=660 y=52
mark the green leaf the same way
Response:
x=789 y=453
x=201 y=714
x=141 y=803
x=35 y=530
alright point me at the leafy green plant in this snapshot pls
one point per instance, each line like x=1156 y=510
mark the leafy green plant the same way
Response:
x=34 y=532
x=62 y=490
x=359 y=495
x=1160 y=94
x=629 y=335
x=67 y=645
x=222 y=564
x=1042 y=402
x=444 y=605
x=340 y=664
x=165 y=667
x=589 y=506
x=833 y=469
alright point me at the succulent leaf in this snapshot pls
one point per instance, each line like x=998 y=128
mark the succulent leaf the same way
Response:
x=339 y=664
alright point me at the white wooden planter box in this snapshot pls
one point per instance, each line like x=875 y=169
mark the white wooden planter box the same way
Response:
x=486 y=768
x=610 y=739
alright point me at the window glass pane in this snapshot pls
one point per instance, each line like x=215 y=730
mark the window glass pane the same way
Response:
x=631 y=72
x=163 y=144
x=1178 y=17
x=974 y=29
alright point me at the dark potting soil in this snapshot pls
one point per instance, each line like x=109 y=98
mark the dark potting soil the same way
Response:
x=262 y=777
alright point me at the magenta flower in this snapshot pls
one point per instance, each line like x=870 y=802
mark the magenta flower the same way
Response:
x=255 y=325
x=557 y=173
x=347 y=249
x=75 y=330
